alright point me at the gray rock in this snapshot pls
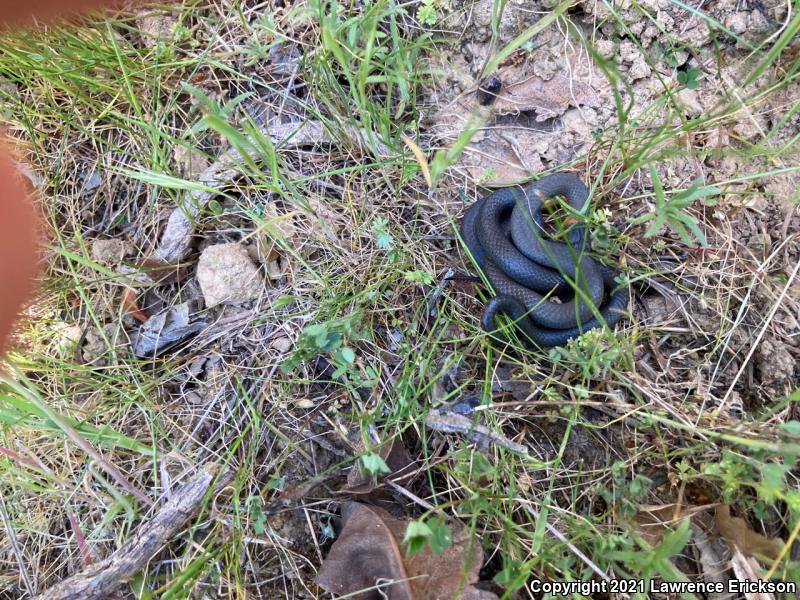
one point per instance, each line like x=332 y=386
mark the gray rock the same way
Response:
x=226 y=273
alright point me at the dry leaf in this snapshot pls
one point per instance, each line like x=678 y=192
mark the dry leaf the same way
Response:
x=738 y=533
x=369 y=552
x=653 y=521
x=164 y=330
x=548 y=99
x=131 y=306
x=420 y=156
x=162 y=274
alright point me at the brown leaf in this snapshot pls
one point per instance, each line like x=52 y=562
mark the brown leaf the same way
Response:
x=369 y=552
x=653 y=521
x=548 y=99
x=131 y=306
x=161 y=273
x=738 y=533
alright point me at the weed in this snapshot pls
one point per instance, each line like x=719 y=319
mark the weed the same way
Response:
x=427 y=13
x=671 y=212
x=689 y=78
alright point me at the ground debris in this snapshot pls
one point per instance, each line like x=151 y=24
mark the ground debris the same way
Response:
x=164 y=330
x=110 y=252
x=177 y=236
x=226 y=273
x=446 y=422
x=369 y=555
x=738 y=534
x=102 y=578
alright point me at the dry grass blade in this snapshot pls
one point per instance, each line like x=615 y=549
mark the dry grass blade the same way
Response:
x=12 y=537
x=33 y=396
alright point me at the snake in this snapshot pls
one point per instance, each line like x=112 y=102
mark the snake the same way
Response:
x=528 y=270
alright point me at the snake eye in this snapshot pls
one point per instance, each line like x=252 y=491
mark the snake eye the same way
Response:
x=488 y=90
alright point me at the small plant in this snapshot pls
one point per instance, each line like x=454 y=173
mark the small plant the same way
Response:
x=604 y=235
x=330 y=338
x=255 y=511
x=419 y=277
x=432 y=532
x=671 y=212
x=427 y=13
x=374 y=465
x=591 y=354
x=689 y=77
x=383 y=239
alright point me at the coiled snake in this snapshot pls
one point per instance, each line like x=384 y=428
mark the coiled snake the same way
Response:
x=526 y=269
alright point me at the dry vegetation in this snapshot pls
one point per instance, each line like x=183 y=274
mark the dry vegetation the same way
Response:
x=248 y=268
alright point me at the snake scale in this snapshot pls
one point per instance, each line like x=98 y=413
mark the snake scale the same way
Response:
x=528 y=270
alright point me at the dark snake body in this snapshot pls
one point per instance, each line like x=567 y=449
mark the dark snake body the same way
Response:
x=526 y=269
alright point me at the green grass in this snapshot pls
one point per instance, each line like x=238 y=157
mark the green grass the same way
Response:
x=609 y=432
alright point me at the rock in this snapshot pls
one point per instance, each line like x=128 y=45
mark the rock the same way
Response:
x=110 y=252
x=282 y=344
x=639 y=69
x=580 y=121
x=691 y=105
x=157 y=28
x=97 y=344
x=737 y=22
x=776 y=366
x=227 y=274
x=605 y=48
x=191 y=163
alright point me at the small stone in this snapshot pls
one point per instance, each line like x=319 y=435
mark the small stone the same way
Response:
x=604 y=48
x=277 y=267
x=304 y=403
x=91 y=182
x=691 y=104
x=190 y=162
x=226 y=274
x=580 y=121
x=157 y=28
x=193 y=398
x=282 y=344
x=737 y=22
x=639 y=69
x=110 y=252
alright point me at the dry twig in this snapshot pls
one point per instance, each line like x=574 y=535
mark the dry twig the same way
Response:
x=102 y=578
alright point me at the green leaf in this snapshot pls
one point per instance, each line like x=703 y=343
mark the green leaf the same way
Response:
x=772 y=481
x=347 y=355
x=417 y=535
x=513 y=575
x=674 y=541
x=373 y=464
x=791 y=427
x=440 y=538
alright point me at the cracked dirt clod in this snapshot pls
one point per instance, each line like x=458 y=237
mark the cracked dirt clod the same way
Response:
x=227 y=274
x=776 y=366
x=110 y=252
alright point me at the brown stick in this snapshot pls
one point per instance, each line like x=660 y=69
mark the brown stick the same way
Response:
x=101 y=579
